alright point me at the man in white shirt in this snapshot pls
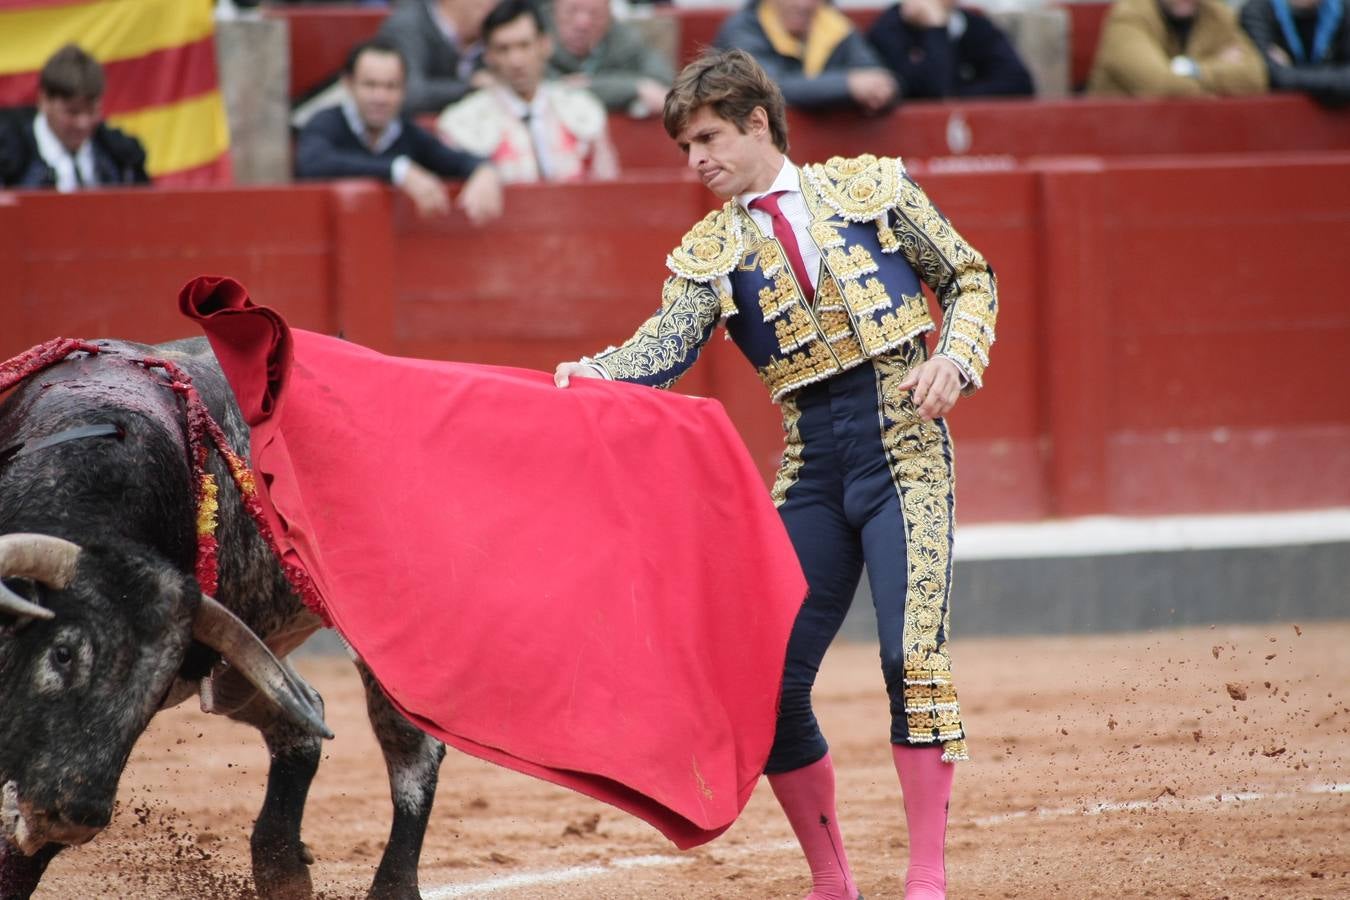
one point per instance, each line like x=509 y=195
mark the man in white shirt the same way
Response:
x=65 y=144
x=531 y=129
x=818 y=274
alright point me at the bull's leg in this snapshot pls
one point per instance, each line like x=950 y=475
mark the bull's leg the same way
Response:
x=413 y=759
x=19 y=874
x=280 y=859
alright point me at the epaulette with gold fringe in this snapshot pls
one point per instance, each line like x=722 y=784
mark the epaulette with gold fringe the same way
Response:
x=859 y=189
x=710 y=249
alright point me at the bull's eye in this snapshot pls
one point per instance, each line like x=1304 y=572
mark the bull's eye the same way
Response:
x=62 y=655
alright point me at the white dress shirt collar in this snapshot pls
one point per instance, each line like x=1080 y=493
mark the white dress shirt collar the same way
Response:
x=54 y=153
x=789 y=179
x=358 y=127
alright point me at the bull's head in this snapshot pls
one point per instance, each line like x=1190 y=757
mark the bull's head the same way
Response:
x=90 y=643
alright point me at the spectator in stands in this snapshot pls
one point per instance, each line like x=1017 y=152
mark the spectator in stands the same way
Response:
x=937 y=50
x=531 y=129
x=367 y=137
x=439 y=39
x=64 y=143
x=1174 y=48
x=1305 y=43
x=813 y=52
x=609 y=58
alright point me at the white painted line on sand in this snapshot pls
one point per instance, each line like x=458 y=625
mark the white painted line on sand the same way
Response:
x=567 y=875
x=1164 y=802
x=1114 y=535
x=572 y=874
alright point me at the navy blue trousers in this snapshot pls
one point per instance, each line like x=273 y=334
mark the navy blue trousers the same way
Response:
x=865 y=481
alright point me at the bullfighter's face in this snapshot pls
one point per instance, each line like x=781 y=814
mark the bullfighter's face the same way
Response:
x=730 y=160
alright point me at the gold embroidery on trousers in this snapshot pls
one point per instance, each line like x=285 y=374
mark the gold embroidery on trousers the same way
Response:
x=791 y=465
x=919 y=456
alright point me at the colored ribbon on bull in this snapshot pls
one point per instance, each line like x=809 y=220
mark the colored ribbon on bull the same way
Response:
x=159 y=60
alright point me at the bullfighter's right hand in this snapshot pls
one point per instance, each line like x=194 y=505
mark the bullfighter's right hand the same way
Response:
x=562 y=375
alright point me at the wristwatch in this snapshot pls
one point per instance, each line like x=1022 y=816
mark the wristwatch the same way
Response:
x=1185 y=67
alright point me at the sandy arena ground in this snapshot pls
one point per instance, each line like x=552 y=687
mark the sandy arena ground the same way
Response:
x=1204 y=763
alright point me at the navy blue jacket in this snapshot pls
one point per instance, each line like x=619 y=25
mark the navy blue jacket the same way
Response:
x=928 y=63
x=328 y=148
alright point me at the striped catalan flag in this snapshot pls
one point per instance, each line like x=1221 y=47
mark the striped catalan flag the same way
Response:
x=159 y=59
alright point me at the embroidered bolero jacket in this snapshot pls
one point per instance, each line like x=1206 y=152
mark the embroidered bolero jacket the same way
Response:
x=880 y=239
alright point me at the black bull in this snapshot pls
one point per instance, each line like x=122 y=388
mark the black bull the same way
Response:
x=102 y=622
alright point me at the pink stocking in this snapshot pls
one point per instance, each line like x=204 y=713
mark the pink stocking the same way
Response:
x=807 y=797
x=927 y=784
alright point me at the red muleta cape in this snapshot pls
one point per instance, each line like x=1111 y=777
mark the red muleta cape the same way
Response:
x=588 y=585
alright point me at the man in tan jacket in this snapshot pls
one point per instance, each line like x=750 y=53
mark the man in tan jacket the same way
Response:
x=1175 y=48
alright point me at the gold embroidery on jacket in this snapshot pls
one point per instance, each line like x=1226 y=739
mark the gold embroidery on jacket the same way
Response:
x=785 y=374
x=919 y=456
x=852 y=265
x=827 y=233
x=795 y=329
x=866 y=296
x=710 y=249
x=858 y=189
x=891 y=329
x=779 y=296
x=958 y=275
x=670 y=337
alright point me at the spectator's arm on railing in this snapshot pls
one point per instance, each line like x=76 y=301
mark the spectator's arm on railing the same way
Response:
x=1131 y=56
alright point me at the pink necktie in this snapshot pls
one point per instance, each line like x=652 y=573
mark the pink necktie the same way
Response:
x=782 y=230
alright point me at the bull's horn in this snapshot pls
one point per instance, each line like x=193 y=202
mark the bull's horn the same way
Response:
x=221 y=630
x=40 y=557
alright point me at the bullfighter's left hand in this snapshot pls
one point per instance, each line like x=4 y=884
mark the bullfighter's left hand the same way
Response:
x=936 y=386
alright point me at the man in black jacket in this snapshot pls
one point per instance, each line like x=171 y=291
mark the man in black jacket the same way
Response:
x=64 y=143
x=937 y=50
x=1306 y=45
x=368 y=137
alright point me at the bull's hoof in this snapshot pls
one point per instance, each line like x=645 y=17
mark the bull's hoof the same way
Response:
x=392 y=883
x=394 y=892
x=282 y=873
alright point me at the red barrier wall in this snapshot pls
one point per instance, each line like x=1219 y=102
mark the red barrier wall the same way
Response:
x=1171 y=338
x=1202 y=310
